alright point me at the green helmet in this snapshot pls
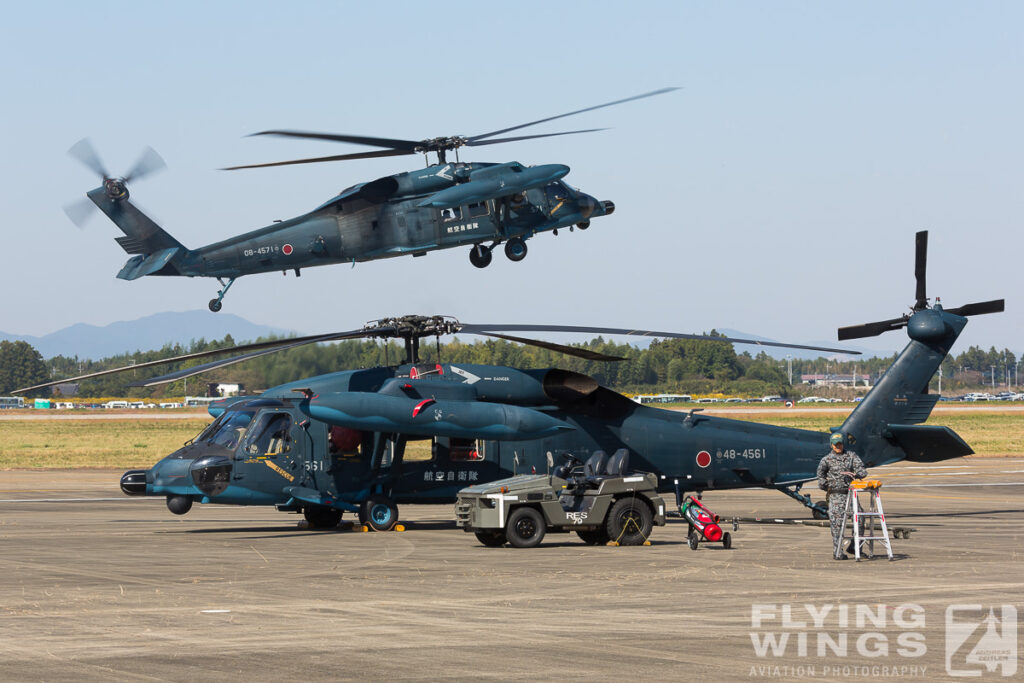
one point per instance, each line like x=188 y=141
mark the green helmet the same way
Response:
x=836 y=438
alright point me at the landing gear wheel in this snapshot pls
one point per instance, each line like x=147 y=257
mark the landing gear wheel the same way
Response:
x=491 y=539
x=216 y=305
x=321 y=516
x=727 y=540
x=515 y=249
x=594 y=536
x=629 y=522
x=583 y=225
x=818 y=514
x=480 y=256
x=525 y=528
x=693 y=540
x=379 y=513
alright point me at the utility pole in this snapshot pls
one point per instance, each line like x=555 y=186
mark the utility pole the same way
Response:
x=993 y=377
x=789 y=368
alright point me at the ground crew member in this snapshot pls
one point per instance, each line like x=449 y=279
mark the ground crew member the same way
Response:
x=835 y=472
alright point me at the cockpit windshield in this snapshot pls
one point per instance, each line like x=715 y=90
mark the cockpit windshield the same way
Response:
x=228 y=430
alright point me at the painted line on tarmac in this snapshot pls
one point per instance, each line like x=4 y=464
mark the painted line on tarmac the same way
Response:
x=921 y=486
x=77 y=500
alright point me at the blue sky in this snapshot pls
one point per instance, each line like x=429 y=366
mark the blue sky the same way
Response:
x=776 y=193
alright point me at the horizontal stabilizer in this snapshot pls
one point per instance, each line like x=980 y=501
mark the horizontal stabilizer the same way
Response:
x=147 y=265
x=928 y=443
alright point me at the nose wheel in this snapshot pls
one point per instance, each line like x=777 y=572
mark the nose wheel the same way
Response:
x=215 y=304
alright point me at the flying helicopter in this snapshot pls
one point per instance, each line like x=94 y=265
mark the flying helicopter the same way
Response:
x=337 y=442
x=446 y=204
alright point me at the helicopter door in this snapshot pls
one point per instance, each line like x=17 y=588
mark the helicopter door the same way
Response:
x=435 y=471
x=269 y=447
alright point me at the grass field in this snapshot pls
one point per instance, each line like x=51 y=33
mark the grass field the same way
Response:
x=132 y=442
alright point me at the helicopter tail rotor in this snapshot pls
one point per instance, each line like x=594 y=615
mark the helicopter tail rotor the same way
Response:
x=921 y=301
x=116 y=188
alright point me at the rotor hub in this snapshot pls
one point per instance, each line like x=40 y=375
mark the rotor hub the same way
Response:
x=115 y=188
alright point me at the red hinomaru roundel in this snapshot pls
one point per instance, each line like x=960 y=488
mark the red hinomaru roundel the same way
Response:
x=703 y=459
x=287 y=250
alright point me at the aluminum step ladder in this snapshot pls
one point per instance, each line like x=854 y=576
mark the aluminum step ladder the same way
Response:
x=863 y=520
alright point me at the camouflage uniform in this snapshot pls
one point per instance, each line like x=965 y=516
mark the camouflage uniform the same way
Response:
x=832 y=480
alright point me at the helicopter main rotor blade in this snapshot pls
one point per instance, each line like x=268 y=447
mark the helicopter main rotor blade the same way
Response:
x=293 y=341
x=392 y=143
x=920 y=269
x=871 y=329
x=571 y=113
x=339 y=157
x=551 y=346
x=979 y=308
x=86 y=153
x=481 y=329
x=149 y=162
x=496 y=141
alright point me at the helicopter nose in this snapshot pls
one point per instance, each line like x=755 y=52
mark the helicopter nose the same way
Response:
x=609 y=207
x=587 y=205
x=133 y=483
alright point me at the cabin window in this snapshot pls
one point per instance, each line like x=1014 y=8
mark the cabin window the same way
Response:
x=451 y=214
x=464 y=450
x=478 y=209
x=270 y=436
x=344 y=442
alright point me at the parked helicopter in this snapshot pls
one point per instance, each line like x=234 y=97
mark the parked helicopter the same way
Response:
x=337 y=442
x=475 y=204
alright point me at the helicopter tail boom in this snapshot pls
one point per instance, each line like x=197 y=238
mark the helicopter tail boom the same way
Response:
x=156 y=249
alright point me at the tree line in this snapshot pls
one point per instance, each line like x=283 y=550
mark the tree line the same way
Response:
x=667 y=366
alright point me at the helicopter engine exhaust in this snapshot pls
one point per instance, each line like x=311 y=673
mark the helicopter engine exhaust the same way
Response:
x=609 y=207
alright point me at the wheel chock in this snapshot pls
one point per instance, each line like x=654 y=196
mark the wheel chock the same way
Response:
x=647 y=542
x=399 y=527
x=612 y=544
x=364 y=528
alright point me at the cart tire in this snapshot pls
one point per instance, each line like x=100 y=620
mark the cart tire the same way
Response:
x=491 y=539
x=727 y=540
x=693 y=540
x=525 y=528
x=629 y=522
x=594 y=536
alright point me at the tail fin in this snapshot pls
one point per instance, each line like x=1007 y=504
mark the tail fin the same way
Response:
x=886 y=426
x=157 y=248
x=881 y=429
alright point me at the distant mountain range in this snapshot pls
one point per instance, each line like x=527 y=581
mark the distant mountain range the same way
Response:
x=90 y=342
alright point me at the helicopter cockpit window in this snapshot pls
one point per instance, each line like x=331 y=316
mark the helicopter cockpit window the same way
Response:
x=557 y=192
x=476 y=210
x=452 y=214
x=228 y=431
x=270 y=436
